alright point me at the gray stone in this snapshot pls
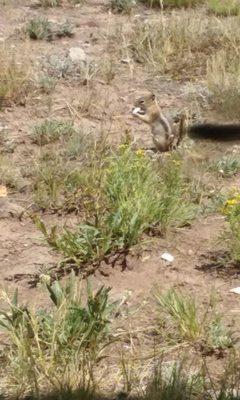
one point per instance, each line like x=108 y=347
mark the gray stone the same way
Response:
x=77 y=55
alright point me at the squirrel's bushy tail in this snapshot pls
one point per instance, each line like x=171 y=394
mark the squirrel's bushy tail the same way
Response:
x=225 y=132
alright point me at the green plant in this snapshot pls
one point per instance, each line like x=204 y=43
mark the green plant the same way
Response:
x=122 y=6
x=59 y=348
x=51 y=130
x=180 y=312
x=217 y=335
x=123 y=196
x=226 y=167
x=172 y=381
x=39 y=28
x=224 y=8
x=180 y=320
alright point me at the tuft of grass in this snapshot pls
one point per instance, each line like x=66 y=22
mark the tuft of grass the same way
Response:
x=59 y=348
x=181 y=312
x=15 y=76
x=224 y=8
x=226 y=167
x=175 y=380
x=51 y=130
x=223 y=72
x=39 y=28
x=122 y=6
x=179 y=318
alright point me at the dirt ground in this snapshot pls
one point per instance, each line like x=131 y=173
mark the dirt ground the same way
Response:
x=22 y=250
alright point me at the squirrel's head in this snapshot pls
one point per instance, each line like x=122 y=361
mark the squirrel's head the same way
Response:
x=144 y=102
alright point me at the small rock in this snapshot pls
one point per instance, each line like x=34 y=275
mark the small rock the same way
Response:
x=9 y=208
x=77 y=55
x=3 y=191
x=167 y=257
x=125 y=61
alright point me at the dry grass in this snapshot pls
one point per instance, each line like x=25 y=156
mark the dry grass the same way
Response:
x=15 y=75
x=223 y=78
x=182 y=43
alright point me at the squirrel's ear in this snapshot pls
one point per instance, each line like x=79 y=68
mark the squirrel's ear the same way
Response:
x=153 y=96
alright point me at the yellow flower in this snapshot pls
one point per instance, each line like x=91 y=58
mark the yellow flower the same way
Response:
x=140 y=152
x=123 y=146
x=177 y=162
x=231 y=202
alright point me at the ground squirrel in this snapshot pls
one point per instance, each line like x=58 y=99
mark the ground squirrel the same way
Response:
x=166 y=134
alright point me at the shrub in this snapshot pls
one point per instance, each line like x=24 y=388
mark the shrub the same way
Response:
x=50 y=131
x=124 y=196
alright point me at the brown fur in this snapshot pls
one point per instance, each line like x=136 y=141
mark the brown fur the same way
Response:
x=165 y=136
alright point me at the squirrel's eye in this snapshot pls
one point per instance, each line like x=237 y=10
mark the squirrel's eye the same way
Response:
x=141 y=101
